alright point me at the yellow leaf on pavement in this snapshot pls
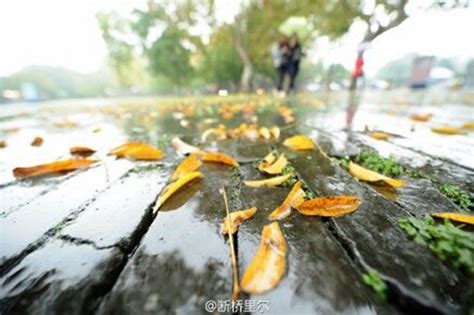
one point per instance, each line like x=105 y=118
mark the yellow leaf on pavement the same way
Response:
x=189 y=164
x=379 y=135
x=469 y=125
x=367 y=175
x=37 y=142
x=81 y=151
x=299 y=142
x=294 y=199
x=447 y=130
x=52 y=168
x=329 y=206
x=217 y=157
x=421 y=117
x=174 y=187
x=275 y=167
x=183 y=147
x=270 y=182
x=269 y=263
x=137 y=151
x=458 y=217
x=235 y=218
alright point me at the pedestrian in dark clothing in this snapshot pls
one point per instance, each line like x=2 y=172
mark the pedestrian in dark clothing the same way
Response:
x=280 y=53
x=295 y=54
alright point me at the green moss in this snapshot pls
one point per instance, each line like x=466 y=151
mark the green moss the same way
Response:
x=457 y=195
x=372 y=279
x=448 y=242
x=386 y=166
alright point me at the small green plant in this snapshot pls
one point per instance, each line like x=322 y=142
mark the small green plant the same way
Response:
x=373 y=161
x=372 y=279
x=457 y=195
x=448 y=242
x=289 y=170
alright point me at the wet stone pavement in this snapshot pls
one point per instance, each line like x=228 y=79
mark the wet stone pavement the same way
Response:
x=88 y=241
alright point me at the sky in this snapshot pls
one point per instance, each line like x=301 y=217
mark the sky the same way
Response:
x=66 y=34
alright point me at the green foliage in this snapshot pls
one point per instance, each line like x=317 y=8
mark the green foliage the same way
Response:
x=373 y=161
x=448 y=242
x=456 y=194
x=372 y=279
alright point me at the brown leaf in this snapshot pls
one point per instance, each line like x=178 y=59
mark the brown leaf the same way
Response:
x=274 y=168
x=3 y=144
x=189 y=164
x=137 y=151
x=379 y=135
x=37 y=142
x=183 y=147
x=421 y=117
x=270 y=182
x=217 y=157
x=268 y=265
x=366 y=175
x=447 y=130
x=458 y=217
x=299 y=142
x=294 y=199
x=173 y=187
x=235 y=218
x=52 y=168
x=81 y=151
x=329 y=206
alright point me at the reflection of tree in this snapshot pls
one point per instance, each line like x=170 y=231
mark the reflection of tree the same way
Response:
x=164 y=284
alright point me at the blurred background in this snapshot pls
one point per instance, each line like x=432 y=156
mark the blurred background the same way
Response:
x=53 y=49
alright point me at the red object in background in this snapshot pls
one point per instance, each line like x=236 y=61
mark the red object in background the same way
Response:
x=358 y=66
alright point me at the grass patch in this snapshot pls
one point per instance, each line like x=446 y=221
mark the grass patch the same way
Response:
x=386 y=166
x=457 y=195
x=448 y=242
x=372 y=279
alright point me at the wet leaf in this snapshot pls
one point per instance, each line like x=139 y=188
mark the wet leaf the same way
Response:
x=37 y=142
x=421 y=117
x=189 y=164
x=294 y=199
x=56 y=167
x=173 y=187
x=299 y=142
x=274 y=167
x=265 y=133
x=270 y=182
x=379 y=135
x=81 y=151
x=183 y=147
x=217 y=157
x=469 y=125
x=275 y=131
x=269 y=158
x=269 y=263
x=235 y=218
x=329 y=206
x=137 y=151
x=367 y=175
x=457 y=217
x=447 y=130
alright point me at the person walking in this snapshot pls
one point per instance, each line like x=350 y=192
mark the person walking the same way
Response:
x=280 y=54
x=295 y=55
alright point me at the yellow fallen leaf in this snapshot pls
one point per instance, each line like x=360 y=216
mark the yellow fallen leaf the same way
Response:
x=269 y=158
x=137 y=151
x=274 y=168
x=217 y=157
x=37 y=142
x=265 y=133
x=183 y=147
x=81 y=151
x=329 y=206
x=174 y=187
x=189 y=164
x=270 y=182
x=61 y=166
x=268 y=265
x=458 y=217
x=275 y=131
x=447 y=130
x=234 y=219
x=421 y=117
x=379 y=135
x=299 y=142
x=367 y=175
x=469 y=125
x=294 y=199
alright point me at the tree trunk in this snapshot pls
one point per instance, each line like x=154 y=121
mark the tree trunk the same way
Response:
x=247 y=71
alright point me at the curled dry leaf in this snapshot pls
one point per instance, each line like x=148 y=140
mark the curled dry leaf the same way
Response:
x=379 y=135
x=37 y=142
x=270 y=182
x=269 y=263
x=217 y=157
x=56 y=167
x=447 y=130
x=329 y=206
x=235 y=218
x=173 y=187
x=293 y=200
x=366 y=175
x=183 y=147
x=137 y=151
x=274 y=168
x=189 y=164
x=421 y=117
x=458 y=217
x=81 y=151
x=299 y=142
